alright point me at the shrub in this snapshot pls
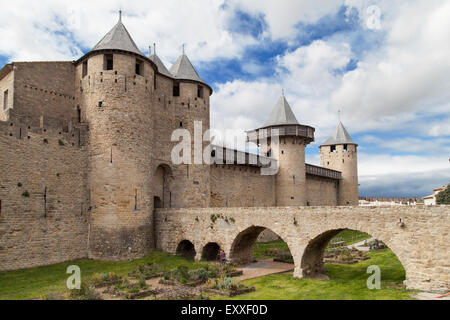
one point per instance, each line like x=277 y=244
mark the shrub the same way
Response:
x=60 y=142
x=86 y=292
x=26 y=194
x=443 y=197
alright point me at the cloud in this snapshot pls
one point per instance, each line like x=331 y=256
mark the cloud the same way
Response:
x=50 y=29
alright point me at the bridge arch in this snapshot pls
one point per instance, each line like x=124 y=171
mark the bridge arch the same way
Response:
x=186 y=249
x=312 y=259
x=242 y=247
x=210 y=251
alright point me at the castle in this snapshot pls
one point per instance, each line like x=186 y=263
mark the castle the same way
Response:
x=86 y=156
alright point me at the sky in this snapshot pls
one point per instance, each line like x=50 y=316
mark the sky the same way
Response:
x=383 y=64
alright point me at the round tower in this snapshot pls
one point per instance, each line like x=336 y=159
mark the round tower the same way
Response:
x=286 y=142
x=115 y=85
x=340 y=153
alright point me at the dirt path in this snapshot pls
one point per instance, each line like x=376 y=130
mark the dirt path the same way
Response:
x=262 y=268
x=360 y=245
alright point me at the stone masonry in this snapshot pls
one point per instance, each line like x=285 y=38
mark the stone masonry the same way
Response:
x=419 y=236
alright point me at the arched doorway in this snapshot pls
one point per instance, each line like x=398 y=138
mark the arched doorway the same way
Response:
x=186 y=250
x=163 y=197
x=211 y=252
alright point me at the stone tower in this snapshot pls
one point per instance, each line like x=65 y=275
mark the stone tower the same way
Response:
x=114 y=85
x=290 y=181
x=340 y=153
x=182 y=99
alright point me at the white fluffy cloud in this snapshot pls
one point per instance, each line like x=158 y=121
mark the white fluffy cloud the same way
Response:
x=51 y=29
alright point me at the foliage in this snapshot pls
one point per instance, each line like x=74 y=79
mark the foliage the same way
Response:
x=443 y=197
x=40 y=281
x=86 y=292
x=26 y=194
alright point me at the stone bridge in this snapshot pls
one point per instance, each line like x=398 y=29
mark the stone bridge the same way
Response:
x=419 y=236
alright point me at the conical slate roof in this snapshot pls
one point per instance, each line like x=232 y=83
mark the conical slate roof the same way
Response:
x=282 y=114
x=184 y=70
x=118 y=39
x=340 y=136
x=161 y=67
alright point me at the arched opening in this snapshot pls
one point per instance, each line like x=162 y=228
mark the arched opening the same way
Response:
x=162 y=189
x=158 y=203
x=186 y=250
x=246 y=247
x=341 y=247
x=211 y=252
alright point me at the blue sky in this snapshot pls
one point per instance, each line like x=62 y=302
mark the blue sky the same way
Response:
x=386 y=70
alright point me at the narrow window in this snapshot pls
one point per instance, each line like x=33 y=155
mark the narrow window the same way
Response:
x=79 y=114
x=345 y=147
x=181 y=124
x=85 y=68
x=108 y=63
x=176 y=89
x=139 y=67
x=5 y=100
x=154 y=82
x=200 y=92
x=333 y=148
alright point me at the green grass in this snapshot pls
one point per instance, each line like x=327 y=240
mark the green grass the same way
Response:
x=347 y=282
x=353 y=236
x=264 y=249
x=37 y=282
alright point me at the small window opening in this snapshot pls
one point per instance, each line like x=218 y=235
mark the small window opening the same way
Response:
x=100 y=104
x=139 y=67
x=85 y=69
x=345 y=147
x=5 y=100
x=109 y=62
x=200 y=91
x=181 y=124
x=79 y=114
x=333 y=148
x=176 y=89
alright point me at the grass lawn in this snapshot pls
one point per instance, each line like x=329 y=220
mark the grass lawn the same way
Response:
x=347 y=282
x=37 y=282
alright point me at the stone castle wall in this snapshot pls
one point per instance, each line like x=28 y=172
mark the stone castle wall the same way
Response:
x=241 y=186
x=44 y=214
x=321 y=191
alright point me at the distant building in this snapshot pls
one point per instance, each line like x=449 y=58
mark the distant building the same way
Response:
x=431 y=199
x=382 y=201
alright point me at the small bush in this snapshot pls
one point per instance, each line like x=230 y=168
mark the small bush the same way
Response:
x=86 y=292
x=60 y=142
x=26 y=194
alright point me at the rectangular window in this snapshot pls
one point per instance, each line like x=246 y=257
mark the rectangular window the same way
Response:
x=345 y=148
x=333 y=148
x=139 y=67
x=176 y=89
x=200 y=92
x=108 y=63
x=85 y=68
x=5 y=100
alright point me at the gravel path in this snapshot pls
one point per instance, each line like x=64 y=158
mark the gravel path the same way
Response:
x=264 y=267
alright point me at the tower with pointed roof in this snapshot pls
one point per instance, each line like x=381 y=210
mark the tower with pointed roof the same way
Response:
x=114 y=88
x=339 y=153
x=282 y=137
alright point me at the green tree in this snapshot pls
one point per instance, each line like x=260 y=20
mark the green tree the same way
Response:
x=443 y=197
